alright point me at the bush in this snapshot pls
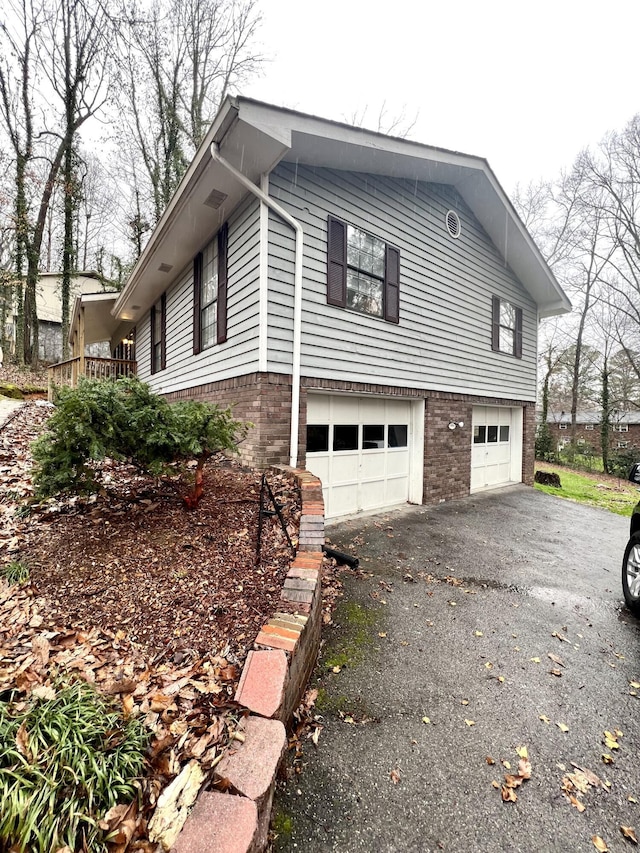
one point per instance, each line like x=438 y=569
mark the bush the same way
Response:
x=545 y=444
x=126 y=421
x=620 y=461
x=64 y=762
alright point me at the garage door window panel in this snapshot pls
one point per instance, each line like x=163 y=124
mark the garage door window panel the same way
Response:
x=504 y=433
x=373 y=437
x=345 y=437
x=398 y=435
x=479 y=434
x=317 y=438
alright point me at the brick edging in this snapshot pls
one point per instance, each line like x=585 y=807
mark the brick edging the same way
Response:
x=271 y=687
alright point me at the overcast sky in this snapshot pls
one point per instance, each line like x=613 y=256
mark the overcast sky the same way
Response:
x=524 y=84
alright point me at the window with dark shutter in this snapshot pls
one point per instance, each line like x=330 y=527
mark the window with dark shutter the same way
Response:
x=392 y=285
x=210 y=284
x=506 y=327
x=336 y=262
x=223 y=243
x=363 y=272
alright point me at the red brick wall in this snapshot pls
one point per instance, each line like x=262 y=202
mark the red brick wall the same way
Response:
x=264 y=399
x=592 y=436
x=528 y=443
x=447 y=457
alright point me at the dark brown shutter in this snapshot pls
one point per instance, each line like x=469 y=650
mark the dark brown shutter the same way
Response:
x=163 y=331
x=336 y=262
x=221 y=316
x=517 y=338
x=152 y=320
x=392 y=285
x=495 y=323
x=197 y=300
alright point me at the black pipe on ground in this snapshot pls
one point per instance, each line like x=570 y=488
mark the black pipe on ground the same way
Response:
x=339 y=557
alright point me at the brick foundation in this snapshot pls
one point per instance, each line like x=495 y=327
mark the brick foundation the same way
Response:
x=264 y=399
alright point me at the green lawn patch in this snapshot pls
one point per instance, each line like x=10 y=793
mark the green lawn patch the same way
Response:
x=591 y=489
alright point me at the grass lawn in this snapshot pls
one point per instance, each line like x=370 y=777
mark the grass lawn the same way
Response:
x=593 y=489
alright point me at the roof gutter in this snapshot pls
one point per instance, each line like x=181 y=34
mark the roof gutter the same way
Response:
x=297 y=294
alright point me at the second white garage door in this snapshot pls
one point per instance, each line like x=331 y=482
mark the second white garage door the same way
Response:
x=496 y=451
x=361 y=449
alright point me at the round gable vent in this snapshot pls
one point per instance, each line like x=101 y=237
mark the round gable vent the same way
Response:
x=453 y=224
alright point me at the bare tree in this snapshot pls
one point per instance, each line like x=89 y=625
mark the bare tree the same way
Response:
x=64 y=43
x=180 y=61
x=397 y=124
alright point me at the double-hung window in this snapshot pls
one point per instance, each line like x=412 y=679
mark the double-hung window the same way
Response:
x=506 y=327
x=363 y=272
x=210 y=293
x=158 y=320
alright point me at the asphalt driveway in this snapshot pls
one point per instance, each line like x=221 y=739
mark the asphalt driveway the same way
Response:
x=439 y=664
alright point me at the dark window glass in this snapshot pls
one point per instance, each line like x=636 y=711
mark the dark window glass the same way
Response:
x=492 y=434
x=372 y=437
x=504 y=433
x=479 y=434
x=345 y=437
x=317 y=438
x=398 y=435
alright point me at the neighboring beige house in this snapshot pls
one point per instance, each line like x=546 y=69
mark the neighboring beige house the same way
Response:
x=49 y=307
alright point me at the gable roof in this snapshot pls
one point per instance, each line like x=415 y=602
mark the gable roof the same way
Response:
x=254 y=137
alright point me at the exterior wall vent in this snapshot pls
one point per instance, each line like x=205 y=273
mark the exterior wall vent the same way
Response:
x=165 y=267
x=453 y=224
x=215 y=199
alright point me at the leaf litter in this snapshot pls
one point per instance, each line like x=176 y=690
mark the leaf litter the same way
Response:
x=155 y=606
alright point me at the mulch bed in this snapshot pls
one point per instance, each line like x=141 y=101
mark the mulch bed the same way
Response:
x=156 y=605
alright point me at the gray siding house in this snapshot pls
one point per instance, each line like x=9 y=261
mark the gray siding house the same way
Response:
x=370 y=304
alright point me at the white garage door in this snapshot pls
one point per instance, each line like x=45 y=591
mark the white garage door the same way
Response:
x=360 y=448
x=496 y=451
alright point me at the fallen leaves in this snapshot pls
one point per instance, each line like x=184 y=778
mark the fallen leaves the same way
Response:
x=599 y=844
x=395 y=776
x=514 y=780
x=611 y=739
x=563 y=728
x=630 y=833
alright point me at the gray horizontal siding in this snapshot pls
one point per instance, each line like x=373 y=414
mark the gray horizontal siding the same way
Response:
x=443 y=341
x=239 y=354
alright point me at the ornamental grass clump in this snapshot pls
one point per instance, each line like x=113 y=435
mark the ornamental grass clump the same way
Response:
x=65 y=760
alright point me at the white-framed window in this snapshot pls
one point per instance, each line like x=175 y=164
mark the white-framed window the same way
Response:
x=562 y=426
x=506 y=328
x=363 y=271
x=588 y=427
x=622 y=428
x=581 y=441
x=209 y=295
x=622 y=444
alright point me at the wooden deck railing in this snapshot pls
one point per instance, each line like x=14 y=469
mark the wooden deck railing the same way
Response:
x=68 y=372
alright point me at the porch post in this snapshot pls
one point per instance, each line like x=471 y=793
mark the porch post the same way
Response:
x=80 y=334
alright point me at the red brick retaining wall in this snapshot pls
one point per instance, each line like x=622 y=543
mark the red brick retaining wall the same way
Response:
x=271 y=687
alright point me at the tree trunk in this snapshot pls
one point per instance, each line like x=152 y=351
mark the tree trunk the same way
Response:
x=606 y=415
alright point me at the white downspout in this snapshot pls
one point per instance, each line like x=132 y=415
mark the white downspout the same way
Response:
x=297 y=295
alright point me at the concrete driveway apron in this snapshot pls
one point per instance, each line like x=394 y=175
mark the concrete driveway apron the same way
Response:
x=454 y=623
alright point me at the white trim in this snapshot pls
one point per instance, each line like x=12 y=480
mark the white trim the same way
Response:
x=416 y=451
x=263 y=311
x=297 y=295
